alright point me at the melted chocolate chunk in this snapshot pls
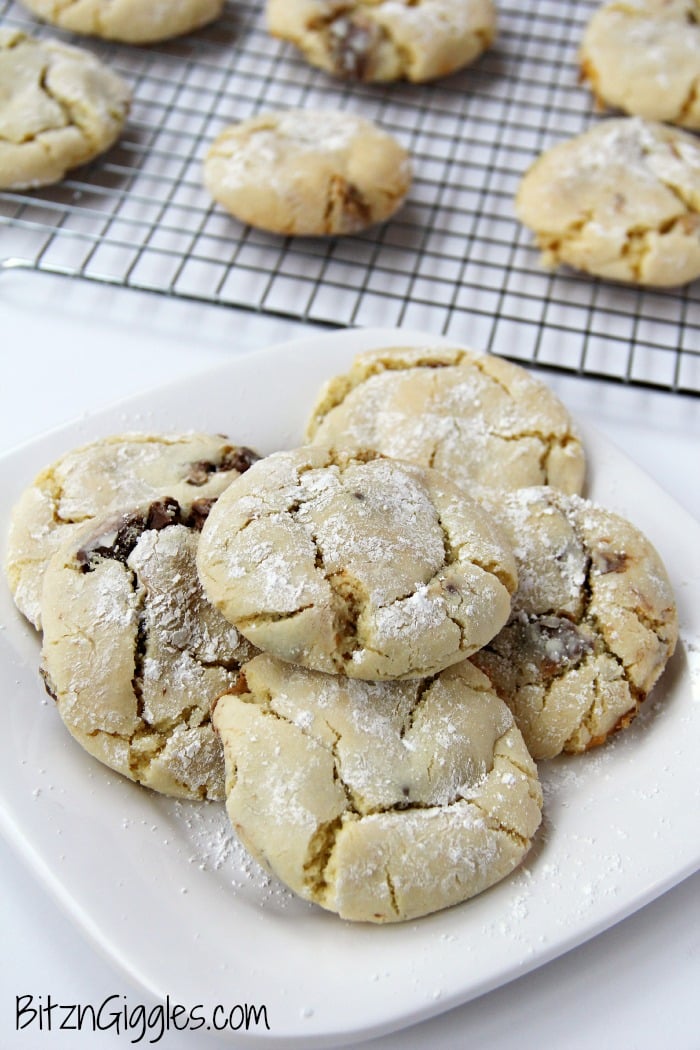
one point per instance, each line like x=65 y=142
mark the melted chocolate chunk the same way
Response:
x=48 y=683
x=117 y=540
x=235 y=458
x=351 y=201
x=351 y=44
x=554 y=644
x=199 y=513
x=163 y=512
x=610 y=561
x=239 y=459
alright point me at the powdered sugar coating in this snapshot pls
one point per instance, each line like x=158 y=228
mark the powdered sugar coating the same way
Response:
x=134 y=655
x=477 y=418
x=61 y=107
x=643 y=57
x=130 y=21
x=593 y=626
x=622 y=201
x=355 y=563
x=379 y=801
x=105 y=477
x=308 y=172
x=382 y=40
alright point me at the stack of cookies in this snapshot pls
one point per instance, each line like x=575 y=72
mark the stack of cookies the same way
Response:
x=364 y=644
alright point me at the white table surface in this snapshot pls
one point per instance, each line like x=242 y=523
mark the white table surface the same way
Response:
x=68 y=348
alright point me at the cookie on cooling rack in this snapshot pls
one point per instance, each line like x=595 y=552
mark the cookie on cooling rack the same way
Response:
x=381 y=801
x=105 y=476
x=308 y=172
x=621 y=201
x=475 y=417
x=61 y=107
x=356 y=564
x=134 y=654
x=644 y=58
x=377 y=40
x=593 y=625
x=129 y=21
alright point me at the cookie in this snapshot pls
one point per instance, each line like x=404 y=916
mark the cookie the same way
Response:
x=378 y=801
x=355 y=564
x=308 y=172
x=129 y=21
x=134 y=654
x=621 y=201
x=644 y=58
x=593 y=624
x=383 y=40
x=106 y=476
x=61 y=107
x=475 y=417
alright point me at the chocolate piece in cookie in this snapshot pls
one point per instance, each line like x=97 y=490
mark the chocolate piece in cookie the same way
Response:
x=105 y=477
x=593 y=625
x=383 y=40
x=134 y=654
x=308 y=172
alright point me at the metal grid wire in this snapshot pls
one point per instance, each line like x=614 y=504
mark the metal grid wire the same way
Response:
x=454 y=261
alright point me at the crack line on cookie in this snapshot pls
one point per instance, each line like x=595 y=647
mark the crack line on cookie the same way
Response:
x=246 y=622
x=393 y=898
x=492 y=825
x=71 y=113
x=320 y=851
x=140 y=646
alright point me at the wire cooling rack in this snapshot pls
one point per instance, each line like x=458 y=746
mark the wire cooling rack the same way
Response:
x=454 y=260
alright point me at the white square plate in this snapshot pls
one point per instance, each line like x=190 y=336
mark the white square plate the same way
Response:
x=163 y=888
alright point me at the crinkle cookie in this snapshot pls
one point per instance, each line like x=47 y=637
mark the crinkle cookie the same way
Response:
x=60 y=107
x=475 y=417
x=621 y=201
x=379 y=801
x=106 y=476
x=134 y=654
x=308 y=172
x=593 y=625
x=356 y=564
x=381 y=40
x=129 y=21
x=643 y=57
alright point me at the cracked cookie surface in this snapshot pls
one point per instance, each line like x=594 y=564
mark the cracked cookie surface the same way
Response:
x=381 y=801
x=475 y=417
x=593 y=625
x=643 y=57
x=105 y=476
x=129 y=21
x=357 y=564
x=308 y=172
x=621 y=201
x=134 y=654
x=384 y=40
x=60 y=107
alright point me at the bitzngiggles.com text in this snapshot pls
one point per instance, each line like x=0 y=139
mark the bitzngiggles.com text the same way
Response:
x=136 y=1022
